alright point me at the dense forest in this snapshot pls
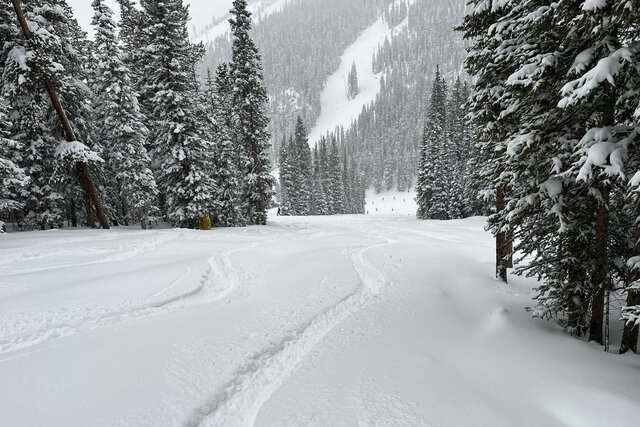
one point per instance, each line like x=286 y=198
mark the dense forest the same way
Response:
x=132 y=112
x=556 y=105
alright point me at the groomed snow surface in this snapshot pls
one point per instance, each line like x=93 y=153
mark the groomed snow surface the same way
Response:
x=322 y=321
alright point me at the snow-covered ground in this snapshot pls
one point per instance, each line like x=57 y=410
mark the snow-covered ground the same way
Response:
x=346 y=320
x=336 y=109
x=391 y=203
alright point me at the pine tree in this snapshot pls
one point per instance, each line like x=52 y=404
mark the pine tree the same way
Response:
x=352 y=82
x=54 y=52
x=434 y=177
x=249 y=106
x=12 y=177
x=287 y=184
x=227 y=211
x=334 y=173
x=122 y=130
x=299 y=155
x=181 y=147
x=133 y=37
x=320 y=203
x=490 y=74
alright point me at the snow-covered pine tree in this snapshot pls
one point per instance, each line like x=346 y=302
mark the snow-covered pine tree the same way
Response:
x=181 y=147
x=334 y=174
x=133 y=38
x=249 y=109
x=458 y=150
x=54 y=52
x=300 y=157
x=12 y=177
x=489 y=76
x=435 y=174
x=601 y=93
x=227 y=211
x=287 y=185
x=352 y=82
x=120 y=123
x=320 y=202
x=425 y=176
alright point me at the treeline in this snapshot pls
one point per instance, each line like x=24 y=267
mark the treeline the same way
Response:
x=384 y=139
x=318 y=182
x=556 y=100
x=449 y=183
x=157 y=142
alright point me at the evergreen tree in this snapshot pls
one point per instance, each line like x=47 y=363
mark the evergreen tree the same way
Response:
x=53 y=52
x=181 y=147
x=352 y=82
x=249 y=106
x=435 y=173
x=227 y=211
x=120 y=123
x=320 y=204
x=335 y=186
x=133 y=37
x=287 y=183
x=12 y=177
x=300 y=157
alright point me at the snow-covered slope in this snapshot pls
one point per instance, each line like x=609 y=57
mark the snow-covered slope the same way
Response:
x=259 y=9
x=336 y=107
x=391 y=203
x=348 y=320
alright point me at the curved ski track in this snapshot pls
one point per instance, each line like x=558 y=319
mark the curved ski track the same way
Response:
x=238 y=402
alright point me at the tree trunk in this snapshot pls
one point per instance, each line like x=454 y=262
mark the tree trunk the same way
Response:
x=501 y=240
x=90 y=219
x=631 y=330
x=600 y=272
x=74 y=214
x=3 y=227
x=84 y=170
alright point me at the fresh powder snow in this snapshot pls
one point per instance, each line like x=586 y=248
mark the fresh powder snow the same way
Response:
x=342 y=320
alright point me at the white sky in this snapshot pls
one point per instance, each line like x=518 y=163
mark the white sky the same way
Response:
x=201 y=11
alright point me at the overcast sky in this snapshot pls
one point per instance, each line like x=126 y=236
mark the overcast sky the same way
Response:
x=201 y=11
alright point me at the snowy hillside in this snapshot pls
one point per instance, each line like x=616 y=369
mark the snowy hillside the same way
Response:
x=336 y=107
x=258 y=8
x=363 y=320
x=391 y=203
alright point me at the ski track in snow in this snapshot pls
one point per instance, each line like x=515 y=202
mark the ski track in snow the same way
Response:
x=218 y=283
x=118 y=254
x=239 y=401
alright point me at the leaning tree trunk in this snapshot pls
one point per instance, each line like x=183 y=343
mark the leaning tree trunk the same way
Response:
x=599 y=284
x=82 y=167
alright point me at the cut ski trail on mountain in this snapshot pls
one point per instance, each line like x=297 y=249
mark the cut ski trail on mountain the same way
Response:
x=336 y=109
